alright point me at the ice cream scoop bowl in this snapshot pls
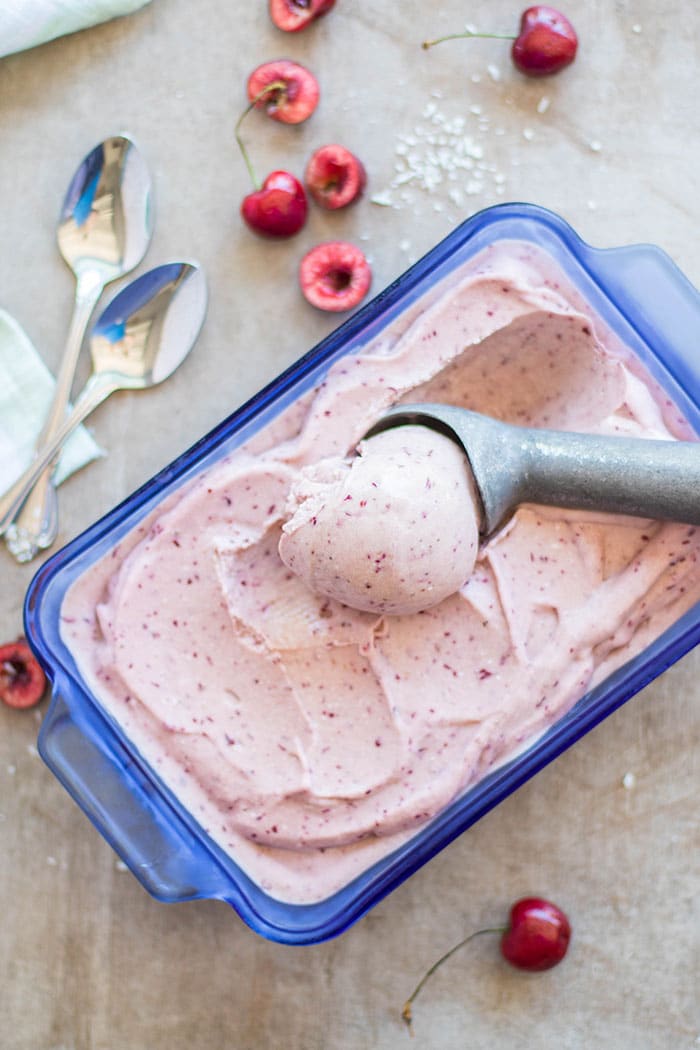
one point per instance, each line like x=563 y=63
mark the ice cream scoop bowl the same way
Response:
x=513 y=465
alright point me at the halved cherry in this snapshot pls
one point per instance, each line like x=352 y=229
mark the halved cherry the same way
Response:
x=334 y=176
x=294 y=15
x=295 y=94
x=22 y=680
x=334 y=276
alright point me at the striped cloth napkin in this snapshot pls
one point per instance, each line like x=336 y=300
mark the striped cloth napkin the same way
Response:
x=25 y=23
x=26 y=387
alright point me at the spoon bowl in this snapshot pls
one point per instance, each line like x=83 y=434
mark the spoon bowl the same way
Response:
x=149 y=327
x=106 y=221
x=139 y=340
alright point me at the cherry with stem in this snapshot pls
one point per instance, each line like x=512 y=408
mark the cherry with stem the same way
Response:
x=536 y=938
x=545 y=44
x=278 y=206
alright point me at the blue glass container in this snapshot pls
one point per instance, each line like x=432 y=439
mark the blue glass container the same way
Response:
x=643 y=298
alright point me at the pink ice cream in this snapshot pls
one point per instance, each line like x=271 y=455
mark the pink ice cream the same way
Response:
x=309 y=738
x=392 y=530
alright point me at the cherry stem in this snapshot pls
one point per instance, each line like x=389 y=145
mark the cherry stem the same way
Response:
x=467 y=33
x=275 y=85
x=407 y=1013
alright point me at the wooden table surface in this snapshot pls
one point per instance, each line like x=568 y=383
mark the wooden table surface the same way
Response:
x=88 y=961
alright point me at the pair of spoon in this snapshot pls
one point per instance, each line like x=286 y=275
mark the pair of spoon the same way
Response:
x=146 y=331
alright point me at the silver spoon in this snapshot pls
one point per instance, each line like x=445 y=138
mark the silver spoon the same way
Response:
x=104 y=229
x=513 y=465
x=146 y=331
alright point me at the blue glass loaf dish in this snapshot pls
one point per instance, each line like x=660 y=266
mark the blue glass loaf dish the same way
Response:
x=641 y=297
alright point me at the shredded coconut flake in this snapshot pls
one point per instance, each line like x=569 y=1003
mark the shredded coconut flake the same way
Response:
x=383 y=200
x=443 y=157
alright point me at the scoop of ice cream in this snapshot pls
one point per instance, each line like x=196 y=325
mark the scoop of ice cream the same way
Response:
x=393 y=530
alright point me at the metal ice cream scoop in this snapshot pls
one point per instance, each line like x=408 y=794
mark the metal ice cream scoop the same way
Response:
x=513 y=465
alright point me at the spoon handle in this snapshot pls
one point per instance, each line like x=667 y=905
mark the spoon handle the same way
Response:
x=36 y=524
x=95 y=391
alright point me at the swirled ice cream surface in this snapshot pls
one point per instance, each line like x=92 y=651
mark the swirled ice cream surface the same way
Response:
x=309 y=739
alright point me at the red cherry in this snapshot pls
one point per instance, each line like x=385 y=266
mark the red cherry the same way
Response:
x=547 y=42
x=278 y=208
x=22 y=680
x=538 y=935
x=537 y=938
x=334 y=276
x=334 y=177
x=294 y=15
x=286 y=90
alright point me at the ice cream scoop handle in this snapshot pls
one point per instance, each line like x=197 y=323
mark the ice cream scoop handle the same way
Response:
x=645 y=478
